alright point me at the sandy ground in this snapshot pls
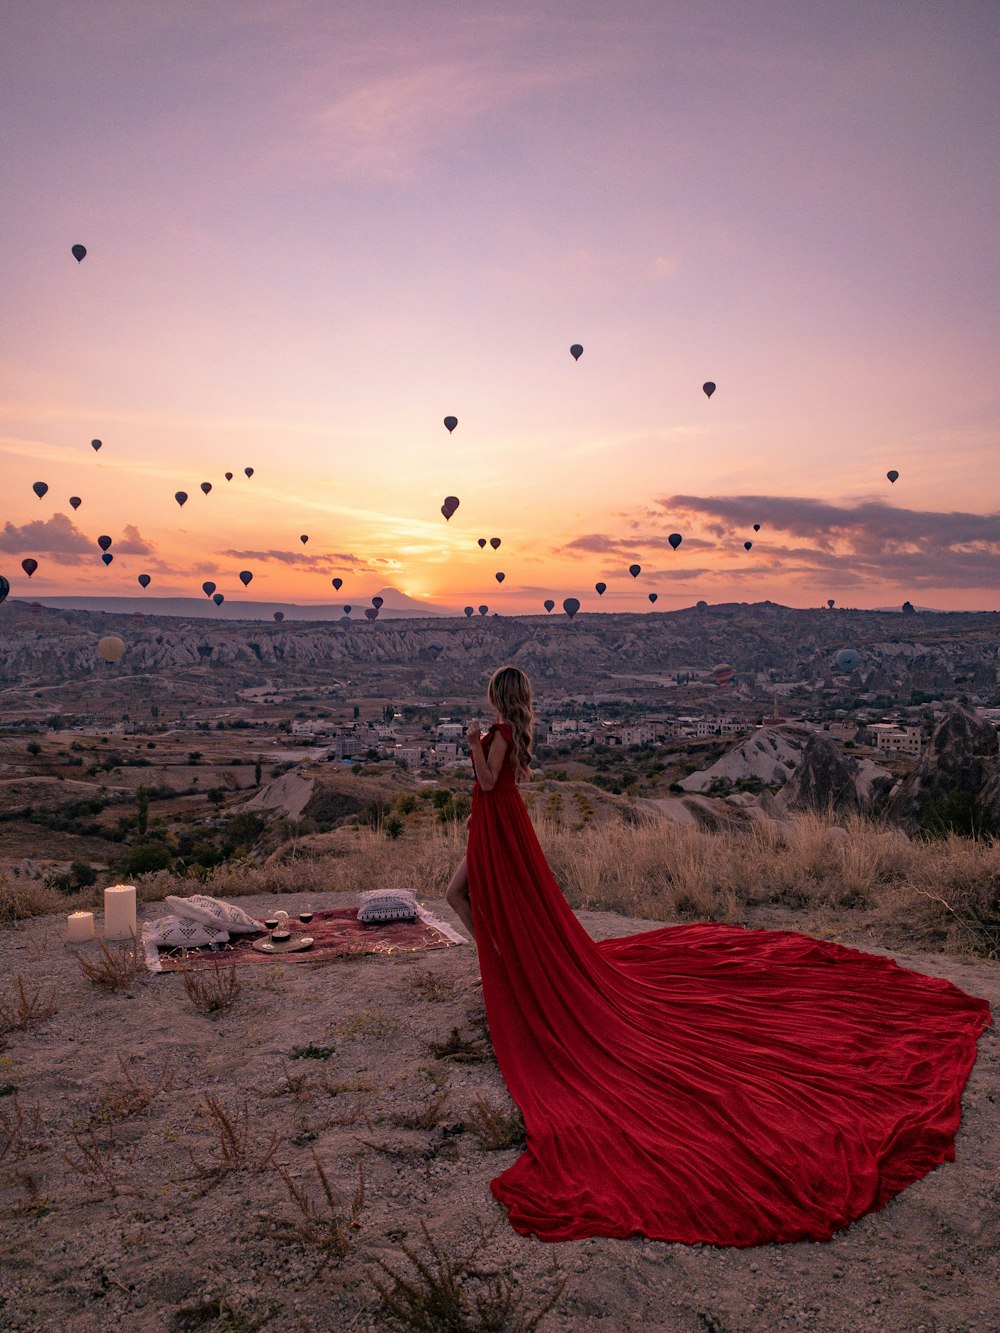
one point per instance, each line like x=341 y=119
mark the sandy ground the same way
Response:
x=102 y=1226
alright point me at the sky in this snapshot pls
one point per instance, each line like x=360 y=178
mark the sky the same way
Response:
x=316 y=228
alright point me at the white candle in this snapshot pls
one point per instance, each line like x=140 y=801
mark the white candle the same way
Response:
x=119 y=912
x=80 y=926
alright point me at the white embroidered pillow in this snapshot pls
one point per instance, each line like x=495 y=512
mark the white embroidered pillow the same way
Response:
x=388 y=905
x=182 y=932
x=214 y=912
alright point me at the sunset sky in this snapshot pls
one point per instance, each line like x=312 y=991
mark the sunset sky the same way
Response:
x=315 y=228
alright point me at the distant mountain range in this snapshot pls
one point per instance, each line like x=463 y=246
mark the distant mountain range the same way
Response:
x=395 y=604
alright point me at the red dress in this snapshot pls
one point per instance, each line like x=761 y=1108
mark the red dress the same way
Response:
x=702 y=1082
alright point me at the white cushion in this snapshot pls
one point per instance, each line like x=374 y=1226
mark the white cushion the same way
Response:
x=215 y=912
x=388 y=905
x=181 y=932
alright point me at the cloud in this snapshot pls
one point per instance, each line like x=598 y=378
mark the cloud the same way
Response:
x=299 y=559
x=132 y=543
x=57 y=536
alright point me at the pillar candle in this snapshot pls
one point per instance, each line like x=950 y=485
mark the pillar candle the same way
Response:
x=80 y=926
x=119 y=912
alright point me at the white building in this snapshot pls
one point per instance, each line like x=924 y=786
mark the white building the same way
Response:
x=905 y=740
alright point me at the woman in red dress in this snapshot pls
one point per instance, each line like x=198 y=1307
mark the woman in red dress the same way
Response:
x=696 y=1083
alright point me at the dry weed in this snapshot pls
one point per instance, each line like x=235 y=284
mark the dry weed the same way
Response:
x=237 y=1148
x=462 y=1050
x=218 y=1312
x=212 y=990
x=22 y=1009
x=439 y=1296
x=22 y=899
x=295 y=1085
x=135 y=1093
x=34 y=1203
x=495 y=1128
x=95 y=1157
x=21 y=1132
x=372 y=1022
x=321 y=1223
x=431 y=1115
x=116 y=969
x=428 y=985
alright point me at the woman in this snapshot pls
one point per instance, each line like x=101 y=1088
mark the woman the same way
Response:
x=697 y=1083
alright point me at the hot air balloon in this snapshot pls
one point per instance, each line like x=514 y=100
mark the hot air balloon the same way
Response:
x=483 y=609
x=500 y=576
x=482 y=542
x=549 y=604
x=709 y=388
x=107 y=557
x=111 y=648
x=747 y=546
x=576 y=351
x=4 y=588
x=829 y=603
x=248 y=471
x=40 y=487
x=348 y=610
x=337 y=583
x=848 y=659
x=469 y=610
x=701 y=606
x=600 y=589
x=29 y=566
x=722 y=673
x=371 y=613
x=245 y=577
x=95 y=445
x=377 y=602
x=675 y=539
x=279 y=616
x=449 y=506
x=206 y=486
x=756 y=527
x=218 y=598
x=229 y=476
x=75 y=501
x=495 y=543
x=652 y=596
x=451 y=423
x=181 y=498
x=303 y=538
x=208 y=588
x=635 y=570
x=78 y=252
x=104 y=542
x=571 y=605
x=144 y=580
x=892 y=474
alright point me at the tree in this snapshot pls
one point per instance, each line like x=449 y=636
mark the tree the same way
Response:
x=141 y=809
x=357 y=712
x=217 y=796
x=34 y=748
x=257 y=773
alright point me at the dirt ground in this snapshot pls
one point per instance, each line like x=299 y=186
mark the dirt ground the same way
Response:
x=111 y=1216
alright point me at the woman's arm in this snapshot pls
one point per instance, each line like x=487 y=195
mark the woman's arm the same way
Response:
x=487 y=769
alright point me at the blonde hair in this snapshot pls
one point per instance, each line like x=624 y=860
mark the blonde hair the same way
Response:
x=509 y=692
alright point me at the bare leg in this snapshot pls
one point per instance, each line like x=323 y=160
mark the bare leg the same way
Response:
x=457 y=897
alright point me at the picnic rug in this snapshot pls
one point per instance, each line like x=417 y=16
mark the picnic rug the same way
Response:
x=336 y=934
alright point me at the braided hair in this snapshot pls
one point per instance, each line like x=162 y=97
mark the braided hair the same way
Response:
x=509 y=692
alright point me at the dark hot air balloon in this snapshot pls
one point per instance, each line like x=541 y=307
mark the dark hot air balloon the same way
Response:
x=371 y=613
x=304 y=538
x=469 y=610
x=848 y=659
x=75 y=501
x=892 y=474
x=449 y=506
x=451 y=423
x=709 y=388
x=40 y=487
x=218 y=598
x=747 y=546
x=79 y=253
x=576 y=351
x=279 y=616
x=830 y=603
x=229 y=476
x=104 y=542
x=600 y=589
x=756 y=527
x=208 y=588
x=96 y=445
x=245 y=577
x=348 y=610
x=29 y=566
x=4 y=588
x=144 y=580
x=482 y=542
x=206 y=486
x=248 y=471
x=701 y=606
x=181 y=498
x=652 y=596
x=377 y=602
x=675 y=539
x=337 y=583
x=571 y=605
x=495 y=543
x=500 y=576
x=635 y=570
x=107 y=557
x=483 y=609
x=549 y=604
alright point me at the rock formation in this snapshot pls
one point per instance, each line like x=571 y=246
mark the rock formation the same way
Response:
x=957 y=783
x=827 y=779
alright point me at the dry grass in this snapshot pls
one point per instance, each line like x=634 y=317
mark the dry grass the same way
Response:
x=461 y=1050
x=321 y=1223
x=212 y=990
x=22 y=1008
x=94 y=1159
x=237 y=1146
x=115 y=969
x=426 y=1117
x=21 y=1130
x=440 y=1295
x=427 y=985
x=494 y=1128
x=134 y=1094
